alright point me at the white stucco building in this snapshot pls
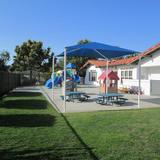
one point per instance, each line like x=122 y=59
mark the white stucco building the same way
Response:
x=127 y=70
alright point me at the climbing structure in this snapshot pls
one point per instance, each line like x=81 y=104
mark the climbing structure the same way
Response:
x=71 y=76
x=112 y=79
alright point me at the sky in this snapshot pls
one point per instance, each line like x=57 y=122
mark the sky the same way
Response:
x=132 y=24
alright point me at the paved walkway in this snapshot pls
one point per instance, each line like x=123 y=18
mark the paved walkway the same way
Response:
x=28 y=89
x=91 y=105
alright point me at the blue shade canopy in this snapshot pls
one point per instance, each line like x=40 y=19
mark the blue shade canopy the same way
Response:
x=70 y=66
x=97 y=50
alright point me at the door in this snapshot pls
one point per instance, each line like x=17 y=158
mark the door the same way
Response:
x=155 y=87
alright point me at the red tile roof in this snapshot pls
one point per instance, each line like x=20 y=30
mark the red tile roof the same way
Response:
x=151 y=49
x=123 y=61
x=97 y=63
x=110 y=75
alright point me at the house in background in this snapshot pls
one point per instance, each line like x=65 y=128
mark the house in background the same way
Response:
x=93 y=71
x=127 y=70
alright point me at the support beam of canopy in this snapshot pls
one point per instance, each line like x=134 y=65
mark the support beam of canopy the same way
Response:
x=93 y=50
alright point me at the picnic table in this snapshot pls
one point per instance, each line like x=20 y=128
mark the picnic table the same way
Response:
x=111 y=98
x=81 y=96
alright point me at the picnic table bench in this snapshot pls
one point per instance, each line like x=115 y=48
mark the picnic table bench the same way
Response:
x=81 y=96
x=111 y=98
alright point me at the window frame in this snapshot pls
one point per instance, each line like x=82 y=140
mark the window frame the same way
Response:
x=92 y=75
x=127 y=74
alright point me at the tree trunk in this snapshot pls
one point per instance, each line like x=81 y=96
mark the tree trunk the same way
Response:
x=31 y=76
x=39 y=77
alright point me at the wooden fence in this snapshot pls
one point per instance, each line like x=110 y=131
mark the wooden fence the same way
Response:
x=9 y=81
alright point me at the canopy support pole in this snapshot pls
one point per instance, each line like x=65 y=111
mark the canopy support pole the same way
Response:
x=64 y=91
x=107 y=80
x=139 y=81
x=53 y=77
x=106 y=68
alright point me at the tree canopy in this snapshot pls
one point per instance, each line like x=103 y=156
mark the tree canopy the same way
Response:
x=4 y=58
x=32 y=56
x=83 y=41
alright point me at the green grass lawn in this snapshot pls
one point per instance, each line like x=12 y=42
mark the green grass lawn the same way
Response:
x=127 y=135
x=31 y=129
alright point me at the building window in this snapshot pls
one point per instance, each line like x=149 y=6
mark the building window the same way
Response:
x=92 y=75
x=130 y=75
x=126 y=74
x=122 y=74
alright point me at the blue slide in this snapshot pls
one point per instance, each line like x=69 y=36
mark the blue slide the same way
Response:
x=57 y=81
x=76 y=78
x=48 y=83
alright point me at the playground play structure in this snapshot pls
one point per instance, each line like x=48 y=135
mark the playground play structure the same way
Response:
x=111 y=86
x=71 y=75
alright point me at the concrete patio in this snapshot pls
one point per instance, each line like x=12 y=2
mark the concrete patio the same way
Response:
x=91 y=105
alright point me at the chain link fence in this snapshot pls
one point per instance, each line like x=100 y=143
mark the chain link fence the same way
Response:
x=38 y=78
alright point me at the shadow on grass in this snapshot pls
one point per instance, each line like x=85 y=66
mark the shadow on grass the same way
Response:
x=24 y=120
x=25 y=104
x=91 y=153
x=85 y=146
x=52 y=153
x=23 y=94
x=41 y=120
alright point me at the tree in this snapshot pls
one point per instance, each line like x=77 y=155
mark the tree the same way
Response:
x=32 y=56
x=79 y=61
x=48 y=66
x=83 y=41
x=4 y=58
